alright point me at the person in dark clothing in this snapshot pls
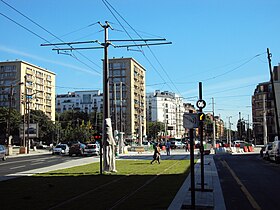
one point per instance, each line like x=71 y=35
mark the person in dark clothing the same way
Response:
x=156 y=156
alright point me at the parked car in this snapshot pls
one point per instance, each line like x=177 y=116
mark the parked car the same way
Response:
x=3 y=152
x=92 y=149
x=239 y=143
x=266 y=150
x=77 y=149
x=274 y=154
x=60 y=149
x=177 y=145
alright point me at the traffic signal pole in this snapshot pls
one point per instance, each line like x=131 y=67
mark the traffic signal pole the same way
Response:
x=201 y=141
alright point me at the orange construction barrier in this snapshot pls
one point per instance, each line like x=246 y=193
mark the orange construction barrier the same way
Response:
x=251 y=149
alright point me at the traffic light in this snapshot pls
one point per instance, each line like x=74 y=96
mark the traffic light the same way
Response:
x=201 y=116
x=97 y=136
x=22 y=98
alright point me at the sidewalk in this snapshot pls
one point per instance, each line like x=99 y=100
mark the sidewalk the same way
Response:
x=203 y=200
x=15 y=152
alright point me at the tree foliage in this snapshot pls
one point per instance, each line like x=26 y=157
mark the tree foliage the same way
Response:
x=46 y=126
x=154 y=128
x=15 y=120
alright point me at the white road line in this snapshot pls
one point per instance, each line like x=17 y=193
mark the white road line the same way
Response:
x=37 y=163
x=18 y=167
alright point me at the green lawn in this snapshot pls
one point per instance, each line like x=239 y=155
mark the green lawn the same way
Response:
x=136 y=185
x=127 y=167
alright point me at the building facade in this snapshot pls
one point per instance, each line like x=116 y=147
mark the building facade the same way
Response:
x=276 y=80
x=263 y=109
x=128 y=96
x=168 y=108
x=83 y=101
x=264 y=126
x=28 y=85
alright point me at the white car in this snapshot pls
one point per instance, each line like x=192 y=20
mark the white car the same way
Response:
x=274 y=154
x=92 y=149
x=60 y=149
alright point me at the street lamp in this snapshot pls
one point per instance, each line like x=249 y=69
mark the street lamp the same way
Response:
x=28 y=97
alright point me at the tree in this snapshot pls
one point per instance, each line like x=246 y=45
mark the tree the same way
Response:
x=15 y=120
x=154 y=128
x=208 y=126
x=46 y=126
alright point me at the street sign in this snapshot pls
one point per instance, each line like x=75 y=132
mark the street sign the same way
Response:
x=200 y=104
x=190 y=120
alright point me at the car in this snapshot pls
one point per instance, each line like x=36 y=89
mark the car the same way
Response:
x=92 y=149
x=274 y=154
x=31 y=130
x=60 y=149
x=177 y=145
x=3 y=152
x=77 y=149
x=239 y=143
x=266 y=150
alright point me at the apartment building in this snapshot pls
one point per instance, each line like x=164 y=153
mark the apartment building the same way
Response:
x=129 y=112
x=263 y=109
x=168 y=108
x=84 y=101
x=30 y=83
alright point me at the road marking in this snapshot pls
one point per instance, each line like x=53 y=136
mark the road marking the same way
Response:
x=243 y=188
x=37 y=163
x=18 y=167
x=28 y=160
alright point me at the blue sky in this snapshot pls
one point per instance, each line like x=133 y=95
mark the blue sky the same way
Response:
x=220 y=43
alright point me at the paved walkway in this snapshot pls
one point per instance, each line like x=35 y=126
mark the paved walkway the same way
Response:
x=210 y=199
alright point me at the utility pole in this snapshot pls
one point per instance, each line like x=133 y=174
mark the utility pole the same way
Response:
x=248 y=129
x=214 y=125
x=240 y=127
x=227 y=131
x=273 y=92
x=106 y=95
x=229 y=124
x=201 y=142
x=264 y=122
x=121 y=127
x=25 y=112
x=140 y=121
x=28 y=123
x=9 y=114
x=165 y=121
x=115 y=107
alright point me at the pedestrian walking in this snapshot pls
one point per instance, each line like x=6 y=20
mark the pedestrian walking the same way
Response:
x=168 y=147
x=156 y=156
x=187 y=146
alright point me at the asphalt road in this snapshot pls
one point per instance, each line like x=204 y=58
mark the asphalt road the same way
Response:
x=20 y=164
x=249 y=182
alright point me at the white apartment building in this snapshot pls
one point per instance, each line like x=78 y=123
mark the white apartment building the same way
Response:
x=168 y=108
x=83 y=101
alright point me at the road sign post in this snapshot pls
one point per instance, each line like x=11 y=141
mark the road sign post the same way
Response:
x=190 y=121
x=201 y=104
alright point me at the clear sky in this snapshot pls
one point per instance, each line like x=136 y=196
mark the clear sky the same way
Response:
x=221 y=43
